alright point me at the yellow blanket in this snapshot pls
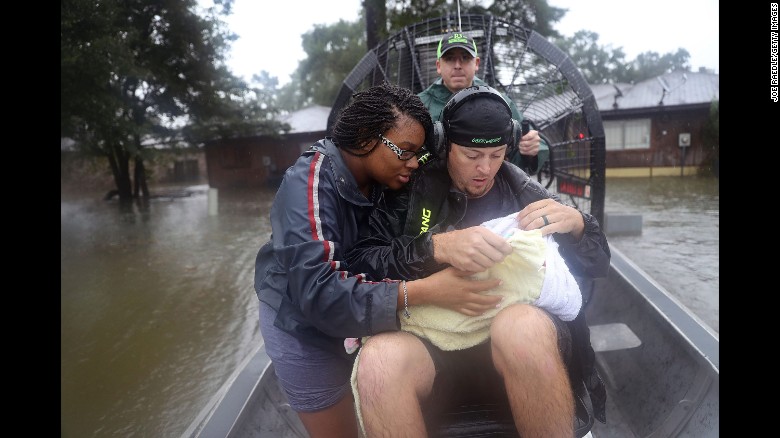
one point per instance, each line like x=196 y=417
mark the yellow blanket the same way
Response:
x=522 y=273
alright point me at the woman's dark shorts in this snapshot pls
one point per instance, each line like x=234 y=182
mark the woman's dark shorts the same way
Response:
x=312 y=378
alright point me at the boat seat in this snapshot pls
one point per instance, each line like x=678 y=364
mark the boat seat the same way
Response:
x=487 y=414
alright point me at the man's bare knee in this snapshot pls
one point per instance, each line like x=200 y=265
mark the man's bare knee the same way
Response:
x=389 y=356
x=521 y=322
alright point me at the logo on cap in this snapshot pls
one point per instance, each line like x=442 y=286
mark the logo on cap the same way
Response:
x=456 y=39
x=485 y=140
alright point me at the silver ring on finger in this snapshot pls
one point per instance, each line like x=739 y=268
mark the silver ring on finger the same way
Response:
x=544 y=218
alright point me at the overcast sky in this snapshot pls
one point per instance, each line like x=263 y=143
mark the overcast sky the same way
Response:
x=270 y=31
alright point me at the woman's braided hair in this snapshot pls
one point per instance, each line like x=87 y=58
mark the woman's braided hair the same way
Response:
x=373 y=112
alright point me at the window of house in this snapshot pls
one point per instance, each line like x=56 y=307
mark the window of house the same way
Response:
x=627 y=134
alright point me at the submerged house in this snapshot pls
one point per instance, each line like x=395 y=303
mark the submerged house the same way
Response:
x=260 y=160
x=652 y=128
x=657 y=126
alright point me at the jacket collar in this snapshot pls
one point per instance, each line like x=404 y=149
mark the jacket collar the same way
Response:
x=343 y=178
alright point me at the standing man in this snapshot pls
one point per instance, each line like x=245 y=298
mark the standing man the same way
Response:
x=457 y=63
x=433 y=223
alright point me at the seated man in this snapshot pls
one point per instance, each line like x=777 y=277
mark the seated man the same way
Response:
x=433 y=223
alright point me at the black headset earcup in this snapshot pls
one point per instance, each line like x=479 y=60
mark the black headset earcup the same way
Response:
x=516 y=136
x=439 y=148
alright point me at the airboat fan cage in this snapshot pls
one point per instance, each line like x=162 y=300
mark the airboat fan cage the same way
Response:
x=543 y=81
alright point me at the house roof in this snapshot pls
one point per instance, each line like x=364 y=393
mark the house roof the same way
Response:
x=694 y=88
x=682 y=88
x=310 y=119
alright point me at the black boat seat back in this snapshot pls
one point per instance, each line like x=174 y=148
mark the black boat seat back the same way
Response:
x=489 y=415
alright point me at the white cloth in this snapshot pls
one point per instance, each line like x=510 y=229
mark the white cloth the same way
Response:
x=560 y=294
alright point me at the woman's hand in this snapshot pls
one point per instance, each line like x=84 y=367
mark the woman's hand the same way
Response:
x=453 y=289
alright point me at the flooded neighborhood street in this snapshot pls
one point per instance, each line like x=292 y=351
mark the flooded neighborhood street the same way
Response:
x=158 y=306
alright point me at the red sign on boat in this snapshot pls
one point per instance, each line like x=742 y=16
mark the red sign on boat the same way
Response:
x=574 y=188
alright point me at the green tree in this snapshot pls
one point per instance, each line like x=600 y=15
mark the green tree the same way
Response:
x=141 y=73
x=332 y=51
x=605 y=64
x=402 y=13
x=376 y=22
x=530 y=14
x=598 y=64
x=534 y=14
x=650 y=64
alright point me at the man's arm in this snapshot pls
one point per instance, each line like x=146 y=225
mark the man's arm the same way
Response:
x=532 y=152
x=384 y=251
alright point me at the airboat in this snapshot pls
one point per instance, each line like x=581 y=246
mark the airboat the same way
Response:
x=660 y=362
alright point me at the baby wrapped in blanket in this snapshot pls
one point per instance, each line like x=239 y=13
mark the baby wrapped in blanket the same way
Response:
x=533 y=273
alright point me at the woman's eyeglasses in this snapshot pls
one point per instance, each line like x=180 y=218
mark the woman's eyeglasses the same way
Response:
x=403 y=154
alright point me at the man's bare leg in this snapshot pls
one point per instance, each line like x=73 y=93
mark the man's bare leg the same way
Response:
x=525 y=352
x=337 y=421
x=395 y=372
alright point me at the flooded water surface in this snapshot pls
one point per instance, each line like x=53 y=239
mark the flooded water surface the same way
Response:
x=680 y=240
x=157 y=309
x=158 y=306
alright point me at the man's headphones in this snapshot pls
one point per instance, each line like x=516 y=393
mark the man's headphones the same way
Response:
x=440 y=143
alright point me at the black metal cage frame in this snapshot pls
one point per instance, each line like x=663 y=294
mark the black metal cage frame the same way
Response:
x=544 y=82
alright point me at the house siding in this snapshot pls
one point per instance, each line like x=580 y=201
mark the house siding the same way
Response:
x=683 y=107
x=664 y=155
x=254 y=161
